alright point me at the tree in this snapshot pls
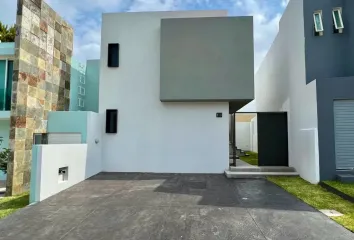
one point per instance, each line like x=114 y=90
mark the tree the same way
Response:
x=7 y=33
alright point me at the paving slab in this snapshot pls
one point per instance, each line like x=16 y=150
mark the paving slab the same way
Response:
x=171 y=206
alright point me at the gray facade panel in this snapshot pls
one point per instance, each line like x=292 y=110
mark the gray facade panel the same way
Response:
x=330 y=55
x=328 y=90
x=207 y=59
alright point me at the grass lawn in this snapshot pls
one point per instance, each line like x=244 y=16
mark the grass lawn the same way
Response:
x=251 y=159
x=318 y=198
x=9 y=205
x=347 y=188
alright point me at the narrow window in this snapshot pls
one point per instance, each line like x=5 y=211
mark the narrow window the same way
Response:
x=81 y=102
x=82 y=91
x=113 y=55
x=82 y=79
x=317 y=17
x=337 y=20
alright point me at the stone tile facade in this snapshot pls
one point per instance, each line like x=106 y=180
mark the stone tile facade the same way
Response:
x=41 y=82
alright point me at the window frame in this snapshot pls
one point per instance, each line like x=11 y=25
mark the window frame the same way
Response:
x=318 y=12
x=82 y=79
x=80 y=100
x=82 y=91
x=339 y=9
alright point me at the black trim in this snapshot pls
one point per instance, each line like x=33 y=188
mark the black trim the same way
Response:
x=337 y=192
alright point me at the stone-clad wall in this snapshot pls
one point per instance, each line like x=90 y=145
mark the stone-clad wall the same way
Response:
x=41 y=82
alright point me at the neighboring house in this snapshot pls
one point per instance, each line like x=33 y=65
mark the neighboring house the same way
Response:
x=84 y=85
x=83 y=88
x=7 y=52
x=176 y=78
x=309 y=73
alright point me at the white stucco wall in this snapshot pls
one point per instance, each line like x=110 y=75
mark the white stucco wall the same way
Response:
x=243 y=140
x=280 y=85
x=254 y=134
x=94 y=144
x=49 y=159
x=154 y=136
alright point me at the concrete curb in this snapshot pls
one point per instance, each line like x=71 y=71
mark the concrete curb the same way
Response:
x=337 y=192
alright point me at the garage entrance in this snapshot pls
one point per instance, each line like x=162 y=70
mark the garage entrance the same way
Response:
x=268 y=137
x=344 y=134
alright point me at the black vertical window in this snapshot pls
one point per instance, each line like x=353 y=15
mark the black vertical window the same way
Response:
x=113 y=55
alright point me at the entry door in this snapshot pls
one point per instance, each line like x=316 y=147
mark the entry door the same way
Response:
x=344 y=133
x=273 y=139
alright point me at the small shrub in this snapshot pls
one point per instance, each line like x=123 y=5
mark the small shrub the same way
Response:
x=4 y=159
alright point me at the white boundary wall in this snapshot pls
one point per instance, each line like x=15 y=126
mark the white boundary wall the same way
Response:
x=83 y=160
x=243 y=140
x=48 y=159
x=280 y=85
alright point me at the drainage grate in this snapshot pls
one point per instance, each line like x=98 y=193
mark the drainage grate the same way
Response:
x=331 y=213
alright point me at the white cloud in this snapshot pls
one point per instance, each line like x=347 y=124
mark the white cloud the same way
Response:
x=85 y=16
x=266 y=23
x=152 y=5
x=284 y=3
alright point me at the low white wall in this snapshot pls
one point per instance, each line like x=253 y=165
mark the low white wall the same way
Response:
x=47 y=159
x=254 y=135
x=93 y=140
x=243 y=140
x=308 y=155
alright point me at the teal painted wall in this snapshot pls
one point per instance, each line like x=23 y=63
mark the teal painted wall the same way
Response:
x=7 y=48
x=92 y=85
x=34 y=182
x=78 y=71
x=68 y=122
x=4 y=133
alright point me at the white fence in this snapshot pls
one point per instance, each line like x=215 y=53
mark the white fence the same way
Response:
x=59 y=166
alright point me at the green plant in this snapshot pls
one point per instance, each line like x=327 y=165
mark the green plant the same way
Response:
x=7 y=33
x=4 y=159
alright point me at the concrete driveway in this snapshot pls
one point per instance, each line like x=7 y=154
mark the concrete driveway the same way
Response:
x=168 y=207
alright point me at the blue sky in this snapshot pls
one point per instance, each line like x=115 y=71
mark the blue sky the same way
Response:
x=85 y=16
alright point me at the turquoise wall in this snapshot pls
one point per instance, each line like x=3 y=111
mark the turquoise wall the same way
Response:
x=7 y=48
x=4 y=133
x=85 y=76
x=35 y=181
x=68 y=122
x=92 y=85
x=78 y=71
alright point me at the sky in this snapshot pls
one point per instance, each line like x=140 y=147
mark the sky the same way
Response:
x=85 y=17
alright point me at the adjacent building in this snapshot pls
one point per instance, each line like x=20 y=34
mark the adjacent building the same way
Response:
x=83 y=89
x=309 y=73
